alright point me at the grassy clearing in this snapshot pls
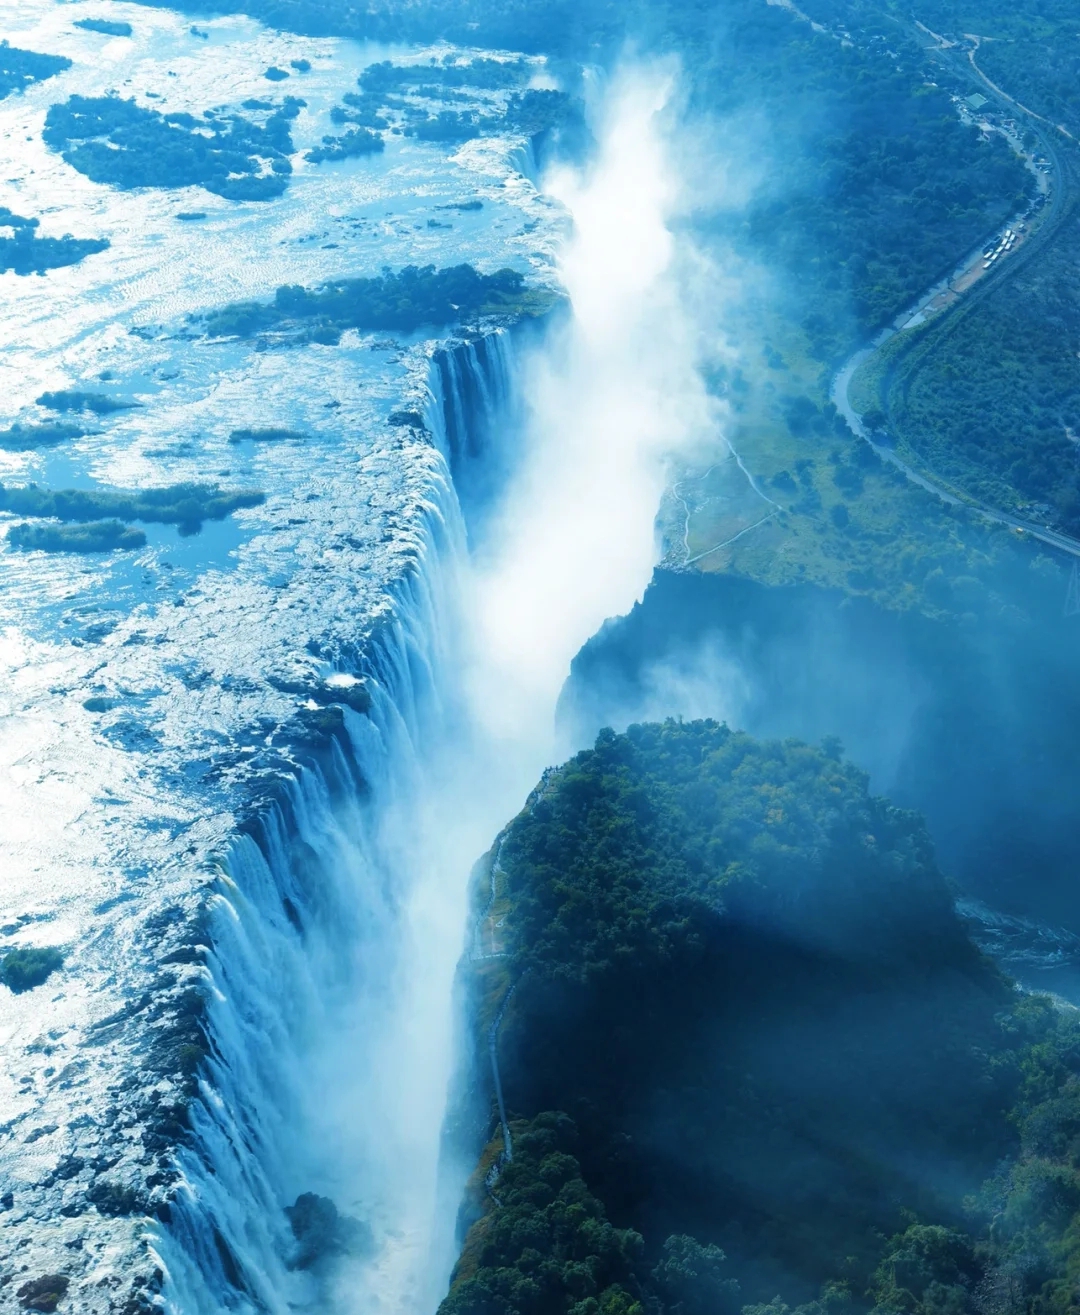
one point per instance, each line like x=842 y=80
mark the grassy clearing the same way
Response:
x=845 y=520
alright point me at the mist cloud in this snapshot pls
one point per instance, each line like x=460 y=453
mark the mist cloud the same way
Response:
x=610 y=399
x=610 y=402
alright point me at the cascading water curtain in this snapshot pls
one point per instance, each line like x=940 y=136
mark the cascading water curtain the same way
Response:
x=307 y=941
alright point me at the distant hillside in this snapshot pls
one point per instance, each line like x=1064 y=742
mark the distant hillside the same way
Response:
x=747 y=1049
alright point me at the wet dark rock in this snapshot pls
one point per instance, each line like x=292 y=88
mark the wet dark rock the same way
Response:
x=70 y=1166
x=322 y=1233
x=113 y=1198
x=43 y=1294
x=43 y=1131
x=406 y=419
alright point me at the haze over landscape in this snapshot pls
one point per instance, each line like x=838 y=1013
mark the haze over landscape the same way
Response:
x=540 y=648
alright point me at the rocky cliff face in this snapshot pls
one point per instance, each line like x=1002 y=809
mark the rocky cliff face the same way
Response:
x=965 y=720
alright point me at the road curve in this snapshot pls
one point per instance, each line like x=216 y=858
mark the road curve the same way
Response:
x=839 y=393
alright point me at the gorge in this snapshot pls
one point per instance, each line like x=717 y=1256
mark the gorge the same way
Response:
x=254 y=1006
x=388 y=438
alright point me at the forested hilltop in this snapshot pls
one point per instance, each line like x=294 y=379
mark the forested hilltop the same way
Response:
x=750 y=1059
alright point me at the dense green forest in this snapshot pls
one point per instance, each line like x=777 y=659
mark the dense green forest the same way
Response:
x=881 y=187
x=994 y=402
x=20 y=68
x=407 y=300
x=1030 y=48
x=750 y=1057
x=118 y=142
x=989 y=398
x=25 y=252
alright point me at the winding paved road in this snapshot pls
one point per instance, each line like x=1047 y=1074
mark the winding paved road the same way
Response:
x=1063 y=192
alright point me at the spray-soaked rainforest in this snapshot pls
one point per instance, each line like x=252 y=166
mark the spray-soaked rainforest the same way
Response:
x=541 y=658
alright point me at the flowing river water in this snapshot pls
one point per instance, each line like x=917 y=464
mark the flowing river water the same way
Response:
x=244 y=774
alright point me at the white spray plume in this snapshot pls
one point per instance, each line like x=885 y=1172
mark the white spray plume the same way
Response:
x=609 y=403
x=611 y=399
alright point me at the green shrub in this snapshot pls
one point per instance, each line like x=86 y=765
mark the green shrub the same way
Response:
x=363 y=110
x=73 y=399
x=98 y=536
x=451 y=126
x=22 y=970
x=408 y=300
x=186 y=505
x=28 y=438
x=273 y=434
x=356 y=142
x=27 y=253
x=491 y=74
x=105 y=26
x=43 y=1294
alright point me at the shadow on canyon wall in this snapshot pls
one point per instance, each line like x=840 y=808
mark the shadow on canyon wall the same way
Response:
x=973 y=724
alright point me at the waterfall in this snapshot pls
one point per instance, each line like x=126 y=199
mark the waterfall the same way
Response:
x=339 y=917
x=472 y=408
x=307 y=928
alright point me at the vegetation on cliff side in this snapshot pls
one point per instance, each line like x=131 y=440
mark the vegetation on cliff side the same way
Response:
x=750 y=1051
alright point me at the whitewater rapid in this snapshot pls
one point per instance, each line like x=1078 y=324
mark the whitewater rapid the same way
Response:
x=244 y=775
x=158 y=709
